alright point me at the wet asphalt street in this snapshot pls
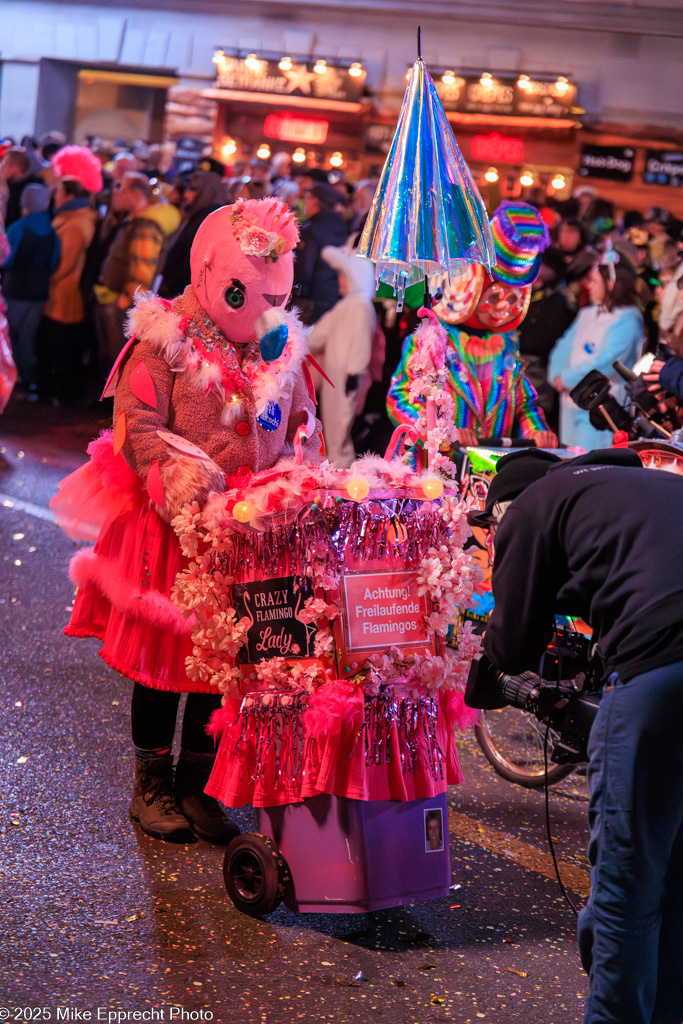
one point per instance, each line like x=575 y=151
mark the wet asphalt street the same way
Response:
x=97 y=918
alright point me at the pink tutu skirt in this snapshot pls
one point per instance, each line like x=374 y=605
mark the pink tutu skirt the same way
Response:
x=275 y=756
x=124 y=582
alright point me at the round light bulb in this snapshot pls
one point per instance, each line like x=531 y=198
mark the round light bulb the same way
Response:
x=337 y=159
x=252 y=62
x=320 y=67
x=448 y=78
x=299 y=156
x=263 y=152
x=527 y=179
x=486 y=80
x=356 y=70
x=285 y=64
x=242 y=511
x=561 y=85
x=229 y=147
x=524 y=82
x=433 y=487
x=491 y=175
x=558 y=181
x=358 y=488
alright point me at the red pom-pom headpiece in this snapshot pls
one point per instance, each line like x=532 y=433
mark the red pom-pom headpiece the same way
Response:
x=79 y=163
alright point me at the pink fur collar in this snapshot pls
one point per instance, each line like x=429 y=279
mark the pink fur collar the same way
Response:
x=191 y=343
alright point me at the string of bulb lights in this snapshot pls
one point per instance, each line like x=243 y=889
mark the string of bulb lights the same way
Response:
x=257 y=65
x=526 y=83
x=526 y=179
x=299 y=156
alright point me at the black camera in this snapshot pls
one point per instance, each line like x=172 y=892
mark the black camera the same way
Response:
x=555 y=697
x=593 y=394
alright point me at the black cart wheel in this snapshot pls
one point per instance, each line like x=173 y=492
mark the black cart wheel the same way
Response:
x=255 y=874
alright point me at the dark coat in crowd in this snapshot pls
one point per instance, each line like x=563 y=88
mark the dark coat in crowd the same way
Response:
x=16 y=187
x=319 y=284
x=210 y=195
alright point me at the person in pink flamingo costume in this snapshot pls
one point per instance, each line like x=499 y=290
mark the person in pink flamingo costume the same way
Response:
x=210 y=389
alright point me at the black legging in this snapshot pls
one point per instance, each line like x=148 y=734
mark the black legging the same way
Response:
x=153 y=719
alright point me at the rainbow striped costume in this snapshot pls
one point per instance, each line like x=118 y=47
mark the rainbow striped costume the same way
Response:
x=486 y=379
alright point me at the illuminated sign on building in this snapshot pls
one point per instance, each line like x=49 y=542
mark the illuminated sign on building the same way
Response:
x=290 y=128
x=295 y=79
x=497 y=148
x=507 y=96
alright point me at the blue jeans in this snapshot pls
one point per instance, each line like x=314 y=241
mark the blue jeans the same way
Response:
x=23 y=317
x=631 y=931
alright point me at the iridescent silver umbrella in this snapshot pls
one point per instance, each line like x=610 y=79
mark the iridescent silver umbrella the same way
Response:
x=427 y=216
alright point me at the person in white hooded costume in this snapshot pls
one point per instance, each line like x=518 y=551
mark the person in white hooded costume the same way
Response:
x=342 y=338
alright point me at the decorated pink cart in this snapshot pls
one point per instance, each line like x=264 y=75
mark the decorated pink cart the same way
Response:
x=320 y=600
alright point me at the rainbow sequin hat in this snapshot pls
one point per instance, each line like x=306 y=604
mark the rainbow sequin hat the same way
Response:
x=519 y=236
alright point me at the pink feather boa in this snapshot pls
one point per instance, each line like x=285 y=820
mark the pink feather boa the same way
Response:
x=333 y=705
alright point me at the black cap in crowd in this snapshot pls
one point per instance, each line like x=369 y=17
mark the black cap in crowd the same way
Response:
x=514 y=473
x=207 y=163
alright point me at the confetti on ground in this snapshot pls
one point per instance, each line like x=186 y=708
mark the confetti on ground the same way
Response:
x=514 y=849
x=520 y=974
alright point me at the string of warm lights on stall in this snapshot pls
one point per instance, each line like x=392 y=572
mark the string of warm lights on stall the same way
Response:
x=556 y=86
x=258 y=64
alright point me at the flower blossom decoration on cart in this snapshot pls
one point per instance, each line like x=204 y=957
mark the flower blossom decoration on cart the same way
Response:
x=304 y=526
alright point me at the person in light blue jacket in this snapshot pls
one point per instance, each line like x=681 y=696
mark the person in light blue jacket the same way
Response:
x=610 y=328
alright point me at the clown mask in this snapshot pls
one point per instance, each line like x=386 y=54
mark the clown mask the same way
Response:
x=501 y=306
x=458 y=295
x=242 y=271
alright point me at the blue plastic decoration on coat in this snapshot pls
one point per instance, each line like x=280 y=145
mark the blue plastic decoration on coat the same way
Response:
x=271 y=418
x=273 y=343
x=427 y=216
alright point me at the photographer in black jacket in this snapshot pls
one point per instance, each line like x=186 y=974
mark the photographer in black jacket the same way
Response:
x=600 y=537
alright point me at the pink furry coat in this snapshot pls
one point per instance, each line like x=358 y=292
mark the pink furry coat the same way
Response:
x=212 y=402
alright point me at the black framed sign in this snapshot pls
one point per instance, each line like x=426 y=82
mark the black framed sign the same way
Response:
x=274 y=607
x=663 y=167
x=611 y=162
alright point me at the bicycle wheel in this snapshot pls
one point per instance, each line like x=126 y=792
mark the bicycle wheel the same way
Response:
x=512 y=742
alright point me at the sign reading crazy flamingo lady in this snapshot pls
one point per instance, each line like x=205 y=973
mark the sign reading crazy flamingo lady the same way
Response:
x=273 y=607
x=383 y=609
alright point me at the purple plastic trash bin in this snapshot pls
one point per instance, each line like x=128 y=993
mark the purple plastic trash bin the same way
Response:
x=350 y=856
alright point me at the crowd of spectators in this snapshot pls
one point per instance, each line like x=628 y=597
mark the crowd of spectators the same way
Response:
x=81 y=246
x=608 y=287
x=608 y=290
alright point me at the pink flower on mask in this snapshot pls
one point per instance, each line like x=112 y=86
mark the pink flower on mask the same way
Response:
x=255 y=241
x=264 y=227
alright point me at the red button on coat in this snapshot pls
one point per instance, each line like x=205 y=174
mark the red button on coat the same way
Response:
x=242 y=428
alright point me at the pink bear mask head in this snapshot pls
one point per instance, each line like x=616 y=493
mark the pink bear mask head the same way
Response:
x=242 y=266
